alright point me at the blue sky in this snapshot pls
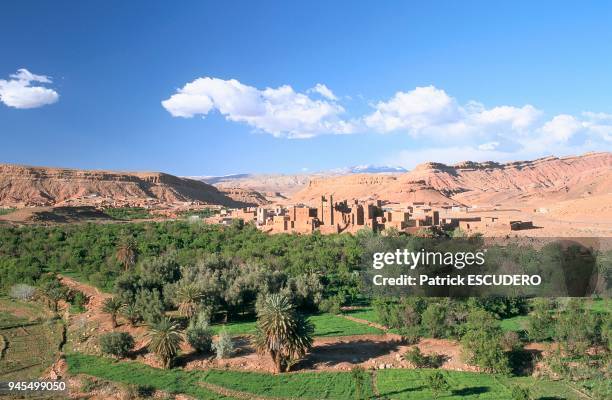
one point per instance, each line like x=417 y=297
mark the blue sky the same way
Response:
x=211 y=88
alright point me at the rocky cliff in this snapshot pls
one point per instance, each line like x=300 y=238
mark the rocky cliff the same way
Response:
x=40 y=186
x=543 y=180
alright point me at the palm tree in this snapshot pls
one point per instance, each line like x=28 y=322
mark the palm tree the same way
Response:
x=188 y=298
x=281 y=332
x=112 y=306
x=126 y=253
x=165 y=340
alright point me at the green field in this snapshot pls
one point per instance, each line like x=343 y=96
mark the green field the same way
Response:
x=412 y=384
x=514 y=324
x=326 y=325
x=205 y=213
x=307 y=385
x=323 y=385
x=31 y=345
x=173 y=381
x=127 y=213
x=5 y=211
x=365 y=313
x=391 y=384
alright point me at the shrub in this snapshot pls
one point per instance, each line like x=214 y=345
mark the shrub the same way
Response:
x=131 y=313
x=482 y=343
x=3 y=346
x=521 y=393
x=434 y=319
x=510 y=341
x=21 y=291
x=502 y=307
x=437 y=383
x=606 y=331
x=541 y=322
x=90 y=384
x=331 y=305
x=410 y=334
x=78 y=300
x=205 y=315
x=149 y=306
x=117 y=344
x=224 y=345
x=199 y=336
x=576 y=329
x=145 y=391
x=387 y=312
x=305 y=291
x=420 y=360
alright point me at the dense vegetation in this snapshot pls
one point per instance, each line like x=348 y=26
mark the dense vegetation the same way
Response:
x=204 y=213
x=5 y=211
x=127 y=213
x=165 y=250
x=215 y=275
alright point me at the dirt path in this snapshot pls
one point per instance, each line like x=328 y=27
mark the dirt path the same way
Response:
x=94 y=321
x=95 y=296
x=365 y=322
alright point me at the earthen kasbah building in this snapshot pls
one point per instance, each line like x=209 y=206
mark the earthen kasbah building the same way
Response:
x=328 y=217
x=351 y=216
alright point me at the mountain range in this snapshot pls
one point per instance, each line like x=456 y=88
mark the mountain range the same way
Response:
x=543 y=181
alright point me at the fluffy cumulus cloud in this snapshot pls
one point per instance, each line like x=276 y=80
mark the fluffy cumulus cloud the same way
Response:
x=429 y=110
x=437 y=125
x=25 y=90
x=281 y=111
x=324 y=91
x=457 y=132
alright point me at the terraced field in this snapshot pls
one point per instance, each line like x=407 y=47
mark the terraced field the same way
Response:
x=220 y=384
x=30 y=345
x=389 y=384
x=411 y=384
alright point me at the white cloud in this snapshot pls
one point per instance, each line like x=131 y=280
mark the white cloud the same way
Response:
x=280 y=111
x=451 y=130
x=518 y=118
x=598 y=124
x=561 y=128
x=414 y=111
x=18 y=91
x=488 y=146
x=429 y=110
x=324 y=91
